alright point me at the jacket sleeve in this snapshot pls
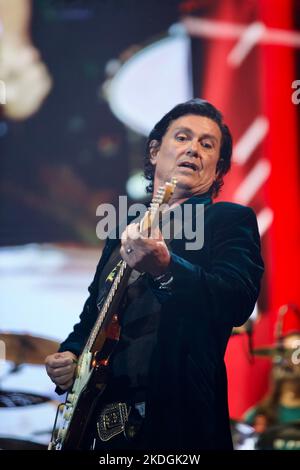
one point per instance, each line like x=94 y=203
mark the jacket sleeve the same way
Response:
x=232 y=282
x=77 y=338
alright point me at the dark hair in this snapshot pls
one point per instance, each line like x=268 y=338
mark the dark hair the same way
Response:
x=198 y=107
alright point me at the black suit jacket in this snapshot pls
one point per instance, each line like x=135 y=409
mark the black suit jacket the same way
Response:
x=214 y=289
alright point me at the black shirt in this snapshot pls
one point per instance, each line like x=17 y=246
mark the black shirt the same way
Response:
x=139 y=320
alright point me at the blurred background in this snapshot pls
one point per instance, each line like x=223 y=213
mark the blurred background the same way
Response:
x=81 y=85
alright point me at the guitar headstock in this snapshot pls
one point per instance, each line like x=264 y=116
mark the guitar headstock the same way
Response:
x=164 y=193
x=163 y=196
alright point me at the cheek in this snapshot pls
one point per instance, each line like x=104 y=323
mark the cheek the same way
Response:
x=212 y=164
x=160 y=166
x=165 y=157
x=168 y=152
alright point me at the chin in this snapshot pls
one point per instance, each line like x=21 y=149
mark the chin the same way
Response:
x=182 y=183
x=185 y=182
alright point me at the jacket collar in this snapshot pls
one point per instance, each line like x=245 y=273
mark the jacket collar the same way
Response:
x=205 y=198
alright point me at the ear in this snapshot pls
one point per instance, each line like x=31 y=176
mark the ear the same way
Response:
x=154 y=150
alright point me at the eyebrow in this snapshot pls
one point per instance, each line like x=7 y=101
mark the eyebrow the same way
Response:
x=204 y=136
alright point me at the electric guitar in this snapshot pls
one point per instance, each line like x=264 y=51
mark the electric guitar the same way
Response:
x=73 y=418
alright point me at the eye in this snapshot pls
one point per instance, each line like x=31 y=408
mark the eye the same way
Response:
x=181 y=137
x=207 y=144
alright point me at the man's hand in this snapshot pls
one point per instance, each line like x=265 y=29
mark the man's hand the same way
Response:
x=145 y=254
x=61 y=368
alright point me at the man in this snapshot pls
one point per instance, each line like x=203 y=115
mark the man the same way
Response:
x=179 y=314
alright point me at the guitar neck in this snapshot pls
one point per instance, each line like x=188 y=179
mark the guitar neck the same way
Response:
x=115 y=294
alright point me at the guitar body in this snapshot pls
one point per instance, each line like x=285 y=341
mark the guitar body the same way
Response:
x=90 y=382
x=78 y=434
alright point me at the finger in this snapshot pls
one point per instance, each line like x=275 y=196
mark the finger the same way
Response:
x=133 y=232
x=155 y=233
x=66 y=385
x=125 y=255
x=122 y=252
x=124 y=235
x=60 y=356
x=65 y=354
x=63 y=380
x=61 y=371
x=57 y=363
x=68 y=355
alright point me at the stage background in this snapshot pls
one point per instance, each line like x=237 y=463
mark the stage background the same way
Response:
x=65 y=150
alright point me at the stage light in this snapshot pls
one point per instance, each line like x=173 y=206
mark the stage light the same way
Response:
x=136 y=186
x=154 y=79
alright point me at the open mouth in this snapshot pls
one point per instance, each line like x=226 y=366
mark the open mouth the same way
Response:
x=190 y=165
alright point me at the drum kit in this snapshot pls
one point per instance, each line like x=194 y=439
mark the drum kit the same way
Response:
x=273 y=351
x=21 y=349
x=278 y=437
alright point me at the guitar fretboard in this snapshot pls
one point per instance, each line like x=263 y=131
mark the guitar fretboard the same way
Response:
x=103 y=312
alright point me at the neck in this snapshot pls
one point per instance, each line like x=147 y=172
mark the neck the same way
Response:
x=176 y=201
x=180 y=194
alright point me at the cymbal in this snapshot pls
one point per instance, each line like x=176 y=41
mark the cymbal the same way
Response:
x=27 y=349
x=275 y=350
x=11 y=399
x=280 y=437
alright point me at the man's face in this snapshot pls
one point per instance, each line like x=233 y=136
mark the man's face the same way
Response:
x=189 y=151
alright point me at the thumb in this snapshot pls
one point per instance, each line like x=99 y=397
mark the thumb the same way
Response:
x=156 y=233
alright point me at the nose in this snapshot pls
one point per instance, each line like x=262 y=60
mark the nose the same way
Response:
x=192 y=151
